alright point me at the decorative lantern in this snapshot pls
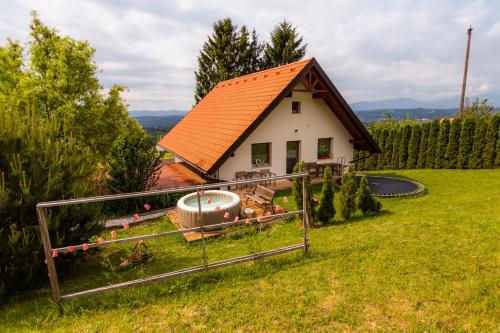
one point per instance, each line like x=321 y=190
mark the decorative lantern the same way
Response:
x=217 y=208
x=71 y=248
x=147 y=206
x=226 y=215
x=100 y=240
x=113 y=234
x=125 y=225
x=136 y=217
x=85 y=246
x=55 y=254
x=209 y=201
x=236 y=219
x=285 y=200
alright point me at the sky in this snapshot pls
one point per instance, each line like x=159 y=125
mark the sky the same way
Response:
x=372 y=50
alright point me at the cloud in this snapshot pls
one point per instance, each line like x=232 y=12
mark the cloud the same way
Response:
x=371 y=50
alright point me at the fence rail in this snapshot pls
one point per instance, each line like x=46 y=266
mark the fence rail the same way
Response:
x=54 y=282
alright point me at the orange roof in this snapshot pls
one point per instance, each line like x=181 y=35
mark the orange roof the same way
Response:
x=215 y=125
x=177 y=175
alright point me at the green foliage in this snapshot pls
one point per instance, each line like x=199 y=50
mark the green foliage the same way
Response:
x=451 y=155
x=497 y=151
x=413 y=147
x=403 y=146
x=381 y=143
x=477 y=108
x=476 y=156
x=372 y=160
x=387 y=149
x=229 y=52
x=444 y=133
x=38 y=164
x=286 y=46
x=297 y=188
x=326 y=209
x=430 y=154
x=422 y=150
x=347 y=197
x=490 y=142
x=466 y=142
x=396 y=145
x=365 y=200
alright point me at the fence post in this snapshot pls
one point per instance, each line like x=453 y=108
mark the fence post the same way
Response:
x=51 y=266
x=305 y=215
x=200 y=223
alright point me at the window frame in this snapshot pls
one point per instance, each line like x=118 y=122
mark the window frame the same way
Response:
x=299 y=111
x=268 y=153
x=330 y=149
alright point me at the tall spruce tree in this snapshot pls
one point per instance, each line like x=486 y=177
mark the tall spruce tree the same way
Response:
x=466 y=141
x=403 y=146
x=286 y=46
x=372 y=160
x=395 y=148
x=229 y=52
x=444 y=133
x=490 y=142
x=326 y=209
x=430 y=154
x=451 y=155
x=422 y=148
x=381 y=143
x=476 y=156
x=387 y=149
x=347 y=197
x=413 y=147
x=497 y=151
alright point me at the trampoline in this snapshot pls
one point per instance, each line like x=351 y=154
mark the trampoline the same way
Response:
x=392 y=187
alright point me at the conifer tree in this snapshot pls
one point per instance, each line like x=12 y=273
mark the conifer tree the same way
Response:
x=413 y=147
x=365 y=200
x=347 y=198
x=388 y=149
x=286 y=46
x=490 y=142
x=381 y=143
x=226 y=54
x=372 y=160
x=326 y=209
x=466 y=141
x=430 y=154
x=451 y=155
x=476 y=156
x=444 y=133
x=395 y=148
x=497 y=151
x=422 y=148
x=297 y=188
x=403 y=146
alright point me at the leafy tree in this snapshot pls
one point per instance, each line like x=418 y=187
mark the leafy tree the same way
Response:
x=365 y=201
x=326 y=209
x=347 y=198
x=451 y=155
x=490 y=141
x=403 y=146
x=476 y=156
x=465 y=143
x=286 y=46
x=430 y=154
x=11 y=73
x=134 y=163
x=477 y=108
x=413 y=147
x=38 y=164
x=226 y=54
x=396 y=145
x=422 y=150
x=444 y=133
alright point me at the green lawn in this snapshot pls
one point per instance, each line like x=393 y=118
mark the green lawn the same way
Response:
x=426 y=263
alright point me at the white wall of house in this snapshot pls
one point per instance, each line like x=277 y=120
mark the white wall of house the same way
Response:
x=315 y=121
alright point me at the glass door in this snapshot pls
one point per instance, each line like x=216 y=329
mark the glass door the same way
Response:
x=292 y=155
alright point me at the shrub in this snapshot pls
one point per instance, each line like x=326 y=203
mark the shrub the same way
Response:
x=451 y=154
x=38 y=164
x=395 y=149
x=387 y=149
x=466 y=141
x=476 y=156
x=326 y=209
x=297 y=188
x=403 y=146
x=347 y=199
x=444 y=133
x=422 y=148
x=490 y=142
x=413 y=147
x=365 y=200
x=430 y=154
x=381 y=143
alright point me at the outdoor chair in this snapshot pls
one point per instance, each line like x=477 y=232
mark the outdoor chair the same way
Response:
x=312 y=168
x=266 y=173
x=241 y=175
x=263 y=196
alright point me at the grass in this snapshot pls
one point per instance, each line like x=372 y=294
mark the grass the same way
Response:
x=426 y=263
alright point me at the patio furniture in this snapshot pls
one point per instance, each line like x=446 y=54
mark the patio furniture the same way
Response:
x=263 y=196
x=241 y=175
x=249 y=213
x=266 y=173
x=312 y=168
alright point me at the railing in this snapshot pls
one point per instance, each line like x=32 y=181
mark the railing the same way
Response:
x=54 y=282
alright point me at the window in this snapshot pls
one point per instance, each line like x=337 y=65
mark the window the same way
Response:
x=324 y=148
x=295 y=107
x=261 y=153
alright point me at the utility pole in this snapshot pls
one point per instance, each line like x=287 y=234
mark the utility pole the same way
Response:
x=464 y=83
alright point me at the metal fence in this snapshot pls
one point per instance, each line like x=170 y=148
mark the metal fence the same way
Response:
x=54 y=282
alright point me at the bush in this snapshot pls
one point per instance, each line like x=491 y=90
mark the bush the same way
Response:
x=365 y=200
x=451 y=154
x=326 y=209
x=347 y=197
x=38 y=164
x=490 y=142
x=444 y=133
x=297 y=188
x=466 y=142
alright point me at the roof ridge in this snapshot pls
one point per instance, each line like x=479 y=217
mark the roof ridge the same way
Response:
x=265 y=70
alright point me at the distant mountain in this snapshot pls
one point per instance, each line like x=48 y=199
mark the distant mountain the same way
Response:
x=368 y=116
x=410 y=103
x=158 y=113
